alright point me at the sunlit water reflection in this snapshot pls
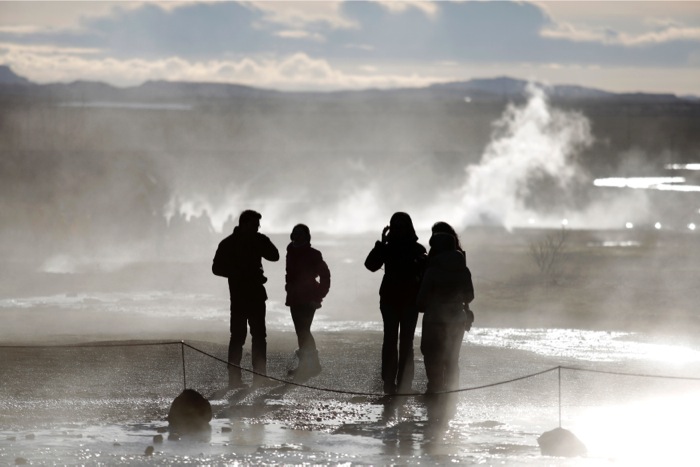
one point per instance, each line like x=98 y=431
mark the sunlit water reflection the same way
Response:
x=623 y=420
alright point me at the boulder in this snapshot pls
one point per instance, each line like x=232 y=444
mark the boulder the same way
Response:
x=561 y=443
x=189 y=412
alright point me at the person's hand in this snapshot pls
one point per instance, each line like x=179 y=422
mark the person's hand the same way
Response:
x=385 y=232
x=470 y=318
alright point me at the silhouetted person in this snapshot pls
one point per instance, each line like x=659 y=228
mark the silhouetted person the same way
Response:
x=403 y=259
x=239 y=257
x=307 y=283
x=444 y=297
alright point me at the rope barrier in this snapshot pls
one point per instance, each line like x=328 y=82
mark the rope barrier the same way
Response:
x=285 y=381
x=636 y=375
x=184 y=374
x=184 y=344
x=90 y=345
x=499 y=383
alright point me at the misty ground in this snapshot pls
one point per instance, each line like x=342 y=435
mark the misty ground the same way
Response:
x=605 y=280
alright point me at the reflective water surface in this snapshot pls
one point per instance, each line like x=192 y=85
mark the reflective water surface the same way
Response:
x=104 y=406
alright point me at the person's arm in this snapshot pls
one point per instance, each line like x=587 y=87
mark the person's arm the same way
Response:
x=425 y=291
x=268 y=250
x=468 y=288
x=287 y=274
x=421 y=261
x=375 y=258
x=324 y=275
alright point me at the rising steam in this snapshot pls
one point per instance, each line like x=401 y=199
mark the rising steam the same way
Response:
x=529 y=142
x=532 y=141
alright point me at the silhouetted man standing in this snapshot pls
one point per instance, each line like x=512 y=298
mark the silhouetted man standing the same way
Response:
x=239 y=258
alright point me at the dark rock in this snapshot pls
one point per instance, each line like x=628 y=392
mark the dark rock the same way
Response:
x=21 y=461
x=561 y=443
x=30 y=436
x=189 y=412
x=226 y=429
x=162 y=429
x=149 y=451
x=158 y=439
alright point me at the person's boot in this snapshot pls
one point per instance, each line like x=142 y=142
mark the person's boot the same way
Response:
x=234 y=378
x=259 y=380
x=294 y=371
x=313 y=366
x=309 y=365
x=389 y=387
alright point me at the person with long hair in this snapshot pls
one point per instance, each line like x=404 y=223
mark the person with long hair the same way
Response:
x=403 y=259
x=443 y=298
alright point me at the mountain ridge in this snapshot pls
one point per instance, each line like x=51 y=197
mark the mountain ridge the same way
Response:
x=500 y=87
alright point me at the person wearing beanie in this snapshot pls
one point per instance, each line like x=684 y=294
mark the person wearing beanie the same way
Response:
x=307 y=282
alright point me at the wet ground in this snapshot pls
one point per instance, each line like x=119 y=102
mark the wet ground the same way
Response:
x=627 y=309
x=108 y=405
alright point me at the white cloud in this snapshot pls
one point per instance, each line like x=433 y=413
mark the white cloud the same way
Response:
x=299 y=15
x=299 y=34
x=294 y=72
x=668 y=33
x=8 y=49
x=429 y=8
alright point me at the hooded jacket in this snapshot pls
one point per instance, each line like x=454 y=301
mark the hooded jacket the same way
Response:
x=304 y=265
x=446 y=289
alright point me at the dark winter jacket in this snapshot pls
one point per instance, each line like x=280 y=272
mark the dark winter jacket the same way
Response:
x=404 y=263
x=239 y=257
x=446 y=290
x=308 y=278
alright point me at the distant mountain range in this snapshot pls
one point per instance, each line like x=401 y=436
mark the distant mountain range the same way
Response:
x=483 y=89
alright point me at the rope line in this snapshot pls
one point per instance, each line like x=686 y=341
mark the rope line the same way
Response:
x=498 y=383
x=184 y=344
x=293 y=383
x=68 y=346
x=357 y=393
x=636 y=375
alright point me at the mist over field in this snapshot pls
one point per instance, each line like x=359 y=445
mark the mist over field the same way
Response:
x=145 y=171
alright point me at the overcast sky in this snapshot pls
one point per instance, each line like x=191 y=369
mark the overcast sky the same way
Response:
x=617 y=46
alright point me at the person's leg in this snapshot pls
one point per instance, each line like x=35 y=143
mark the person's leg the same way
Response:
x=408 y=320
x=303 y=316
x=390 y=357
x=435 y=361
x=453 y=345
x=239 y=330
x=258 y=334
x=429 y=346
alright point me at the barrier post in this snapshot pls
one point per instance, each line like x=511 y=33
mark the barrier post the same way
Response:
x=559 y=375
x=184 y=375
